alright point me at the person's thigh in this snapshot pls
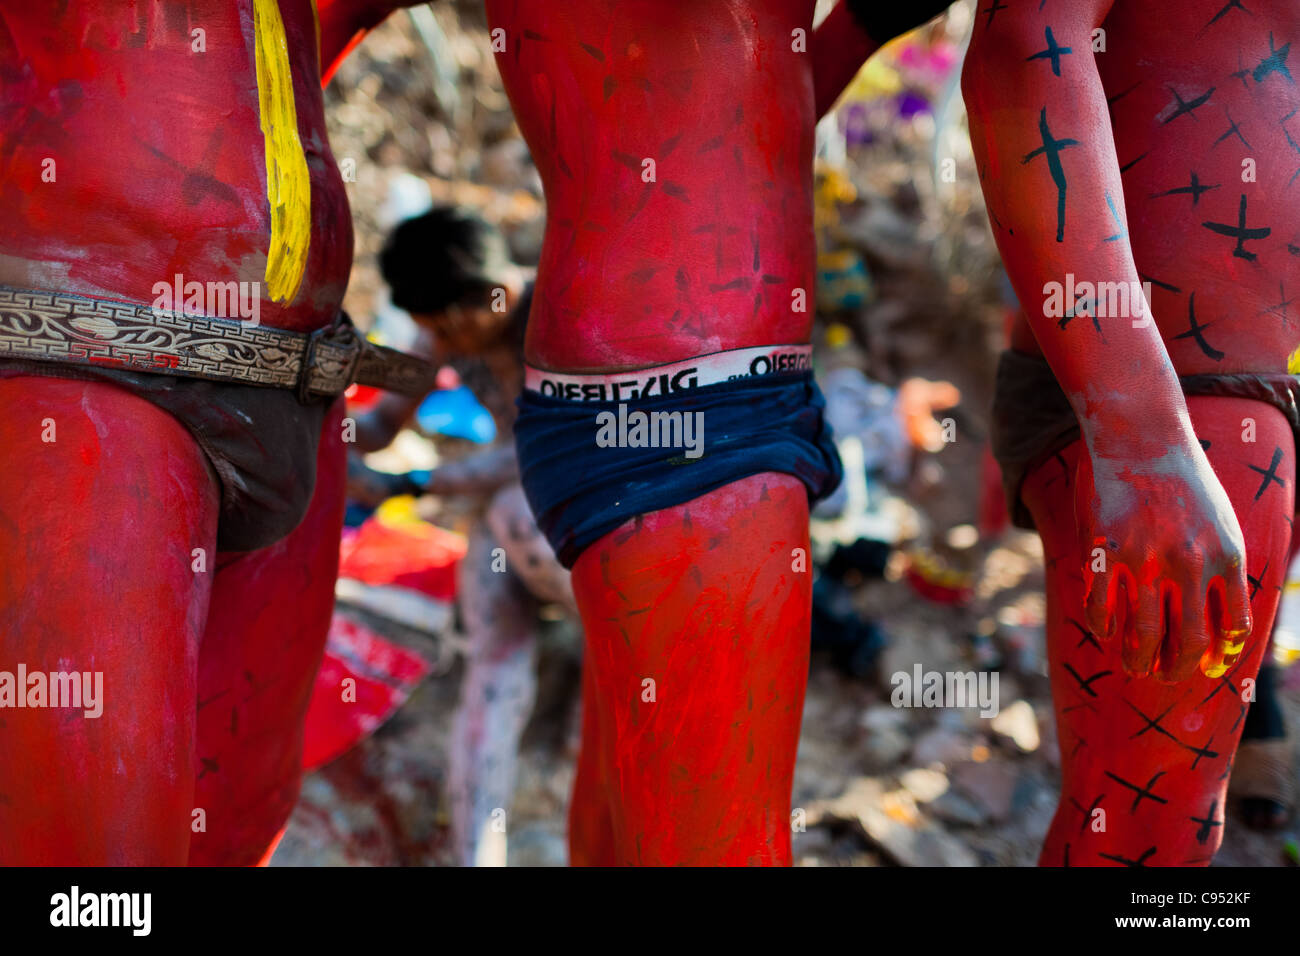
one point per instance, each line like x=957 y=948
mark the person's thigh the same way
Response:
x=696 y=626
x=103 y=500
x=1145 y=764
x=262 y=646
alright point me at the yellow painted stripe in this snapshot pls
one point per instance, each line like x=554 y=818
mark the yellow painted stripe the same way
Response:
x=1293 y=363
x=288 y=184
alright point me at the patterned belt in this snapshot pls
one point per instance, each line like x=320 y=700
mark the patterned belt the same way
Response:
x=75 y=330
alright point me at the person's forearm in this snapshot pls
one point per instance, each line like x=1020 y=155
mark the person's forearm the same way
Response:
x=344 y=23
x=840 y=46
x=480 y=473
x=1051 y=180
x=854 y=30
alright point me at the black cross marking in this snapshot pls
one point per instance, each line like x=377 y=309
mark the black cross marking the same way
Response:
x=1205 y=444
x=1087 y=814
x=1279 y=308
x=1275 y=62
x=1207 y=823
x=1225 y=680
x=1052 y=149
x=1270 y=474
x=1086 y=636
x=991 y=10
x=1054 y=52
x=1200 y=752
x=1240 y=231
x=1140 y=861
x=1196 y=331
x=1153 y=724
x=1084 y=685
x=1194 y=189
x=1143 y=793
x=1233 y=130
x=1219 y=15
x=1071 y=313
x=1187 y=106
x=1295 y=148
x=1256 y=583
x=753 y=282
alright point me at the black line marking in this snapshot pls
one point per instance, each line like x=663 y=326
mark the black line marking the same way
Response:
x=1241 y=232
x=1052 y=149
x=1196 y=332
x=1270 y=474
x=1142 y=793
x=1187 y=106
x=1054 y=52
x=1193 y=189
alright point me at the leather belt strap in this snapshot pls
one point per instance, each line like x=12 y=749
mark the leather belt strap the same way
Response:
x=76 y=330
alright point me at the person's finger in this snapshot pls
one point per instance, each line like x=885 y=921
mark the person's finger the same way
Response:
x=1138 y=654
x=1187 y=634
x=1228 y=610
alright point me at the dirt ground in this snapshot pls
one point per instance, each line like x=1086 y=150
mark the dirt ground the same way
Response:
x=881 y=786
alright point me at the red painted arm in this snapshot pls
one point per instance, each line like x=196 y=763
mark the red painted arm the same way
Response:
x=1042 y=139
x=854 y=30
x=840 y=46
x=345 y=23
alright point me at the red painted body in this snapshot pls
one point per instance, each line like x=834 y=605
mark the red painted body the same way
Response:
x=159 y=166
x=1144 y=163
x=700 y=599
x=159 y=155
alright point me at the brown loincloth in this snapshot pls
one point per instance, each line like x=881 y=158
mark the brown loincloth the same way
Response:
x=1033 y=420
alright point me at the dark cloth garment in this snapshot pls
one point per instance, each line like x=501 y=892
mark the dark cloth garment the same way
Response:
x=260 y=441
x=1033 y=420
x=580 y=492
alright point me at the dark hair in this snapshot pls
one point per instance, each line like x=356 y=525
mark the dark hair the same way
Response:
x=448 y=255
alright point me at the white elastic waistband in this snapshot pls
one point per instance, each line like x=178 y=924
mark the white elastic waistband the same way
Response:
x=631 y=384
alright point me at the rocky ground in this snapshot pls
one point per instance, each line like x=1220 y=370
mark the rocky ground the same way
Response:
x=880 y=786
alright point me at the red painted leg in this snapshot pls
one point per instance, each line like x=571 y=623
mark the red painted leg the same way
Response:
x=1146 y=763
x=697 y=644
x=261 y=649
x=591 y=827
x=96 y=533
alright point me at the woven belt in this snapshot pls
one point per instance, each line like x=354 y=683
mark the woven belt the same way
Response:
x=75 y=330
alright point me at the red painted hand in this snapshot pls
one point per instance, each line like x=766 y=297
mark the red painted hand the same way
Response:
x=1165 y=563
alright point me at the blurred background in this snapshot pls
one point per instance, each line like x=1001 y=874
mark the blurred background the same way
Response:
x=914 y=558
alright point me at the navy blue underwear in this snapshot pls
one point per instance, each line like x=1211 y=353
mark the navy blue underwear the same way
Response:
x=580 y=491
